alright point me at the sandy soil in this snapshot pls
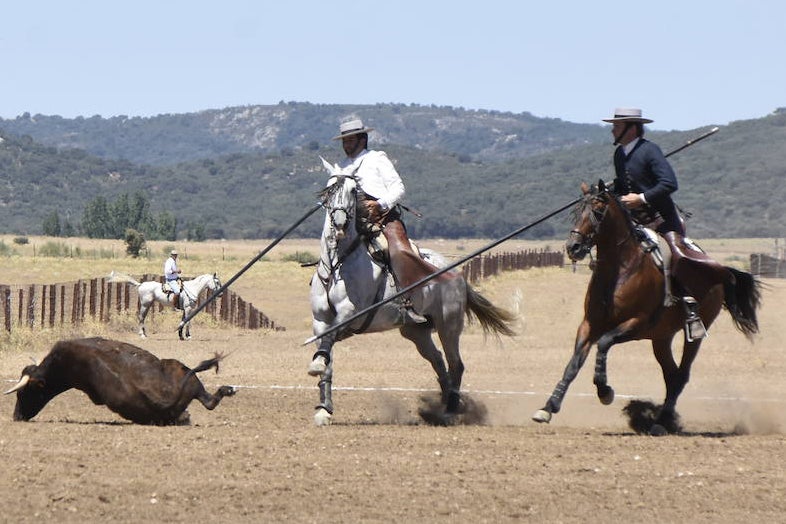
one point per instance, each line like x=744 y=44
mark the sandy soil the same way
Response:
x=259 y=458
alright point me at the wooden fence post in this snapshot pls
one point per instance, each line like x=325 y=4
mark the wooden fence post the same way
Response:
x=52 y=304
x=5 y=292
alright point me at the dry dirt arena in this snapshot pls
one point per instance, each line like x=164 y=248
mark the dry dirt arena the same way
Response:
x=259 y=458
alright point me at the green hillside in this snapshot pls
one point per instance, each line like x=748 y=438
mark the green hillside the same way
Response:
x=730 y=182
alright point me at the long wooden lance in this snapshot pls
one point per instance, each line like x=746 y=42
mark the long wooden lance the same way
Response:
x=404 y=291
x=245 y=268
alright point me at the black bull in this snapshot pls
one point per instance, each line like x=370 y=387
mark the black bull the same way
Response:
x=129 y=380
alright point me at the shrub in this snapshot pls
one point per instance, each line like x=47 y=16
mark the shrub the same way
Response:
x=301 y=257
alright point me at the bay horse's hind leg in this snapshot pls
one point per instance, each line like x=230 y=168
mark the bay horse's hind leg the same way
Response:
x=675 y=378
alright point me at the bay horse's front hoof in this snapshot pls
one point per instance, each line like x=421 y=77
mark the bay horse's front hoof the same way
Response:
x=322 y=417
x=541 y=416
x=606 y=395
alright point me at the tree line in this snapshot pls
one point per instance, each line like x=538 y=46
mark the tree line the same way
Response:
x=127 y=217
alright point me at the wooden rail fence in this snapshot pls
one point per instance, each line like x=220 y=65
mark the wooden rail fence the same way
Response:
x=484 y=266
x=767 y=266
x=48 y=305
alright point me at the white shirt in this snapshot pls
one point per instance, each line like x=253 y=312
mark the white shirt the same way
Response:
x=627 y=148
x=376 y=176
x=170 y=269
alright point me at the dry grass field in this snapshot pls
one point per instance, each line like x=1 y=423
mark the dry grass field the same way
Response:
x=258 y=457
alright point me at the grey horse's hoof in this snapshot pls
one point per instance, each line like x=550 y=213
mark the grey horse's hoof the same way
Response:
x=318 y=366
x=322 y=417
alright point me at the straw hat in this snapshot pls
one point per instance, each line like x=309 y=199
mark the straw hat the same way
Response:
x=628 y=114
x=352 y=127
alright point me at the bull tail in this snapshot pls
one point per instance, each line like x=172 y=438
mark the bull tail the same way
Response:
x=206 y=364
x=202 y=366
x=493 y=319
x=122 y=277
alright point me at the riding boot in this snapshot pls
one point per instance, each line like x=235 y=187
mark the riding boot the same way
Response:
x=668 y=298
x=694 y=327
x=176 y=300
x=407 y=266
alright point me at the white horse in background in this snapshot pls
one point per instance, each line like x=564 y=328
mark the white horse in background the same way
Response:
x=348 y=280
x=152 y=291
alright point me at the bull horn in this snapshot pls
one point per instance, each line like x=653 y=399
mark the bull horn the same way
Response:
x=19 y=385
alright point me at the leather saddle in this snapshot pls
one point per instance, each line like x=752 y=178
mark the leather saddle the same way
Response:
x=694 y=270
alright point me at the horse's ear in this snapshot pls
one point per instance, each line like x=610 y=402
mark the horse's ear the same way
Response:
x=584 y=188
x=328 y=166
x=601 y=185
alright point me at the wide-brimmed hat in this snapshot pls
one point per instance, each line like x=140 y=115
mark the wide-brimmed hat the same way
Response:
x=173 y=252
x=351 y=127
x=628 y=114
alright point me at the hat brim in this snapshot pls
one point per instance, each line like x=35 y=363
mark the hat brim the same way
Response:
x=628 y=119
x=351 y=133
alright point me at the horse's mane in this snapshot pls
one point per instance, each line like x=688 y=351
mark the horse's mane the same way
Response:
x=328 y=192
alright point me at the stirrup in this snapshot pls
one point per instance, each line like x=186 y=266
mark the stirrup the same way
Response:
x=410 y=316
x=694 y=327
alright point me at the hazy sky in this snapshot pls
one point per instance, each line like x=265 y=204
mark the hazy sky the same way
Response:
x=686 y=63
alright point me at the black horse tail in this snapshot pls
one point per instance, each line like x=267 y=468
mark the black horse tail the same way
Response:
x=492 y=318
x=742 y=297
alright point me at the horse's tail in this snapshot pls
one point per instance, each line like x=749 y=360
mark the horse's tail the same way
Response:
x=122 y=277
x=492 y=318
x=742 y=297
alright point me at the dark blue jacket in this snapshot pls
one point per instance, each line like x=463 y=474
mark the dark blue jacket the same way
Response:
x=646 y=170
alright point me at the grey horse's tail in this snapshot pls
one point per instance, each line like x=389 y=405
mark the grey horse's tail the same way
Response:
x=122 y=277
x=493 y=319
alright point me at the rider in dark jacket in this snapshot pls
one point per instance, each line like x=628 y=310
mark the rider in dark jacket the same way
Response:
x=645 y=181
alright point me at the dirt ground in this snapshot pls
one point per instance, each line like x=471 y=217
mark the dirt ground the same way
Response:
x=259 y=458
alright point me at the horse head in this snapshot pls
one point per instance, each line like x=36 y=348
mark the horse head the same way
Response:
x=214 y=283
x=588 y=217
x=339 y=200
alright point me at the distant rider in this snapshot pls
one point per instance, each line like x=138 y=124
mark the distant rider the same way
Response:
x=172 y=277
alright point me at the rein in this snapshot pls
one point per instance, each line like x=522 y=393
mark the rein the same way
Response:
x=596 y=217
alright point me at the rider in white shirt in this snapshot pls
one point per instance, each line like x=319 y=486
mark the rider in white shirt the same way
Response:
x=380 y=191
x=172 y=277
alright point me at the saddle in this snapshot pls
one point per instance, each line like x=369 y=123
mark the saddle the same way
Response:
x=166 y=288
x=694 y=270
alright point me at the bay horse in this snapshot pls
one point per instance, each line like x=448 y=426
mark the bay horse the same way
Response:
x=348 y=280
x=152 y=291
x=625 y=301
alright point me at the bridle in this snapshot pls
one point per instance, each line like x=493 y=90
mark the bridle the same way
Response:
x=585 y=241
x=341 y=206
x=216 y=283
